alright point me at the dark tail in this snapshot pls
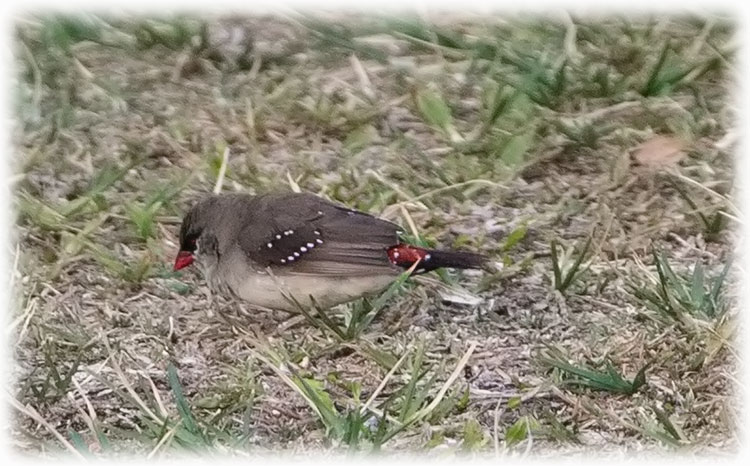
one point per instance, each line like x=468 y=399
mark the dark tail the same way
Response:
x=405 y=255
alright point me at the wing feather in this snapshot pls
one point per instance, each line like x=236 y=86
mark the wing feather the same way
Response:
x=345 y=242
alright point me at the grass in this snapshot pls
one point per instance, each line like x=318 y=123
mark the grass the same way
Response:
x=714 y=222
x=679 y=297
x=508 y=137
x=583 y=376
x=567 y=268
x=366 y=423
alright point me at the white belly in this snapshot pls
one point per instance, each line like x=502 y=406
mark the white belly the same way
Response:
x=265 y=290
x=268 y=291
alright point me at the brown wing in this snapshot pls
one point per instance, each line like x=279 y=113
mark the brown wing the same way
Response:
x=305 y=234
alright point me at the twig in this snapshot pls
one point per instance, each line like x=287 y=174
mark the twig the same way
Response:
x=129 y=388
x=292 y=183
x=439 y=397
x=364 y=80
x=157 y=397
x=14 y=269
x=383 y=383
x=391 y=185
x=440 y=190
x=713 y=194
x=409 y=221
x=26 y=317
x=570 y=37
x=167 y=437
x=222 y=171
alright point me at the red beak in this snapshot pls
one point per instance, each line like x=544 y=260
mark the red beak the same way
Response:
x=184 y=258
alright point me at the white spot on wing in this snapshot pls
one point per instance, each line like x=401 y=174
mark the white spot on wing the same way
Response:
x=283 y=261
x=319 y=241
x=296 y=254
x=290 y=258
x=427 y=257
x=310 y=245
x=278 y=236
x=316 y=232
x=270 y=245
x=303 y=249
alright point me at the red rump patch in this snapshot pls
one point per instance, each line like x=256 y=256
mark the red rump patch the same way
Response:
x=405 y=255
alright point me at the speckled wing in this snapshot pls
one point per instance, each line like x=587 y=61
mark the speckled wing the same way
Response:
x=304 y=234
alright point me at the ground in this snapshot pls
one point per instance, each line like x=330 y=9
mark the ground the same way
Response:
x=589 y=158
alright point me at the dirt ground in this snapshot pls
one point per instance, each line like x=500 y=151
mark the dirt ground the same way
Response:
x=522 y=138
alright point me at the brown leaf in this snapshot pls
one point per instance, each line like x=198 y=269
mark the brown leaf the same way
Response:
x=659 y=151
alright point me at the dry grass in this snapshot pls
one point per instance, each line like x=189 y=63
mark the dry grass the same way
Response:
x=498 y=135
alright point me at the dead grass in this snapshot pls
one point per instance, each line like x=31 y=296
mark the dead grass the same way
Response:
x=499 y=135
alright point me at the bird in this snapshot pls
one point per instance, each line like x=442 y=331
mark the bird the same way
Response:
x=273 y=249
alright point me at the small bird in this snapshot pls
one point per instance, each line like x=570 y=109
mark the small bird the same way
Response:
x=266 y=248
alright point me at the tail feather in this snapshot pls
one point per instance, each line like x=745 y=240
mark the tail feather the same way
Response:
x=405 y=256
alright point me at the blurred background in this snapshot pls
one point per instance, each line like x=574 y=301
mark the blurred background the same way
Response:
x=589 y=157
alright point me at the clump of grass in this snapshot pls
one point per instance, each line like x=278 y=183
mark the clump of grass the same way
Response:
x=474 y=437
x=513 y=238
x=544 y=82
x=567 y=268
x=520 y=430
x=670 y=72
x=176 y=33
x=59 y=368
x=178 y=430
x=583 y=376
x=713 y=219
x=61 y=216
x=677 y=297
x=371 y=424
x=133 y=270
x=142 y=215
x=663 y=428
x=583 y=134
x=436 y=113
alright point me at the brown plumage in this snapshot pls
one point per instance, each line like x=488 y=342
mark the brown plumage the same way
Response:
x=256 y=246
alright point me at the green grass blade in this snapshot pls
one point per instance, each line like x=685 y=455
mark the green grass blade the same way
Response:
x=697 y=290
x=408 y=396
x=182 y=405
x=79 y=443
x=321 y=402
x=515 y=236
x=652 y=86
x=574 y=269
x=380 y=302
